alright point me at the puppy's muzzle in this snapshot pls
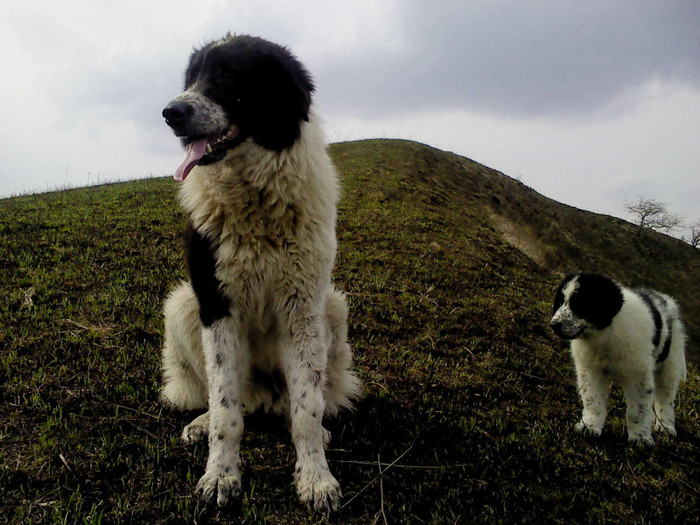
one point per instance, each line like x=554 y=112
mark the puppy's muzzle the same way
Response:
x=566 y=329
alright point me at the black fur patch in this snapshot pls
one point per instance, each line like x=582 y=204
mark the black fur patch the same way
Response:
x=667 y=344
x=261 y=86
x=597 y=300
x=658 y=322
x=649 y=296
x=201 y=266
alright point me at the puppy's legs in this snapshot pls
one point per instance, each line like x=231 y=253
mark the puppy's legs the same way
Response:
x=639 y=397
x=593 y=387
x=304 y=366
x=667 y=380
x=667 y=384
x=227 y=357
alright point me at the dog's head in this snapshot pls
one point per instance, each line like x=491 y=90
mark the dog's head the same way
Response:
x=585 y=302
x=237 y=88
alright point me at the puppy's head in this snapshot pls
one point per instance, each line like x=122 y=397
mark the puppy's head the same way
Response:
x=584 y=302
x=237 y=88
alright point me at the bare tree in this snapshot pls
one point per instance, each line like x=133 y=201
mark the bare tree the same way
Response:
x=695 y=235
x=652 y=215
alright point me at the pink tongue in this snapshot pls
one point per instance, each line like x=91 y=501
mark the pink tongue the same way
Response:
x=194 y=151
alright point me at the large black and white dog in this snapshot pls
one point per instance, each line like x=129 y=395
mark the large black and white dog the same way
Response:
x=259 y=323
x=634 y=337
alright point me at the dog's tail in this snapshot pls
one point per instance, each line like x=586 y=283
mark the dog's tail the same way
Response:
x=344 y=386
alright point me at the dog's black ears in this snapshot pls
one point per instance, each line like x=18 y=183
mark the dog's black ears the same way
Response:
x=283 y=103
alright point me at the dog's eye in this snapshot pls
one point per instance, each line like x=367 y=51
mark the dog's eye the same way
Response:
x=222 y=77
x=576 y=301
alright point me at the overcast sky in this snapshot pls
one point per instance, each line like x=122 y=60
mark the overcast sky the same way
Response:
x=590 y=103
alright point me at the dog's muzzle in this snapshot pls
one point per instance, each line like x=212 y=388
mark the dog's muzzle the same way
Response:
x=566 y=329
x=177 y=115
x=204 y=128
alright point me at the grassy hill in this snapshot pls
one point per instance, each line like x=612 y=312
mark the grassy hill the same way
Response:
x=470 y=402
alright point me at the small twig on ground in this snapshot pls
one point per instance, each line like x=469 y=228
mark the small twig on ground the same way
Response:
x=381 y=489
x=378 y=476
x=398 y=465
x=131 y=409
x=65 y=462
x=358 y=294
x=140 y=428
x=381 y=512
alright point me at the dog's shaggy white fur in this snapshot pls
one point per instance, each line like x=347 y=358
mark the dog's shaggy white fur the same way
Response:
x=634 y=337
x=280 y=341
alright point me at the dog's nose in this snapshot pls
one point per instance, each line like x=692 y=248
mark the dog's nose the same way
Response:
x=177 y=112
x=555 y=326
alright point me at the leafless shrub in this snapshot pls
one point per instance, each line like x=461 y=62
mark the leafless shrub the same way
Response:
x=651 y=214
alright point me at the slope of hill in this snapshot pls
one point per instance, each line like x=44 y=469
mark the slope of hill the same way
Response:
x=557 y=237
x=470 y=402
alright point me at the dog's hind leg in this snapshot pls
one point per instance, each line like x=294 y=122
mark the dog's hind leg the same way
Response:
x=183 y=365
x=664 y=405
x=667 y=378
x=197 y=430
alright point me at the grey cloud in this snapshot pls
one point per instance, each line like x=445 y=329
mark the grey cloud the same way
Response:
x=507 y=58
x=87 y=89
x=544 y=58
x=132 y=88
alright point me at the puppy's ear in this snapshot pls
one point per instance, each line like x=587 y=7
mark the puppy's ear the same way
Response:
x=599 y=299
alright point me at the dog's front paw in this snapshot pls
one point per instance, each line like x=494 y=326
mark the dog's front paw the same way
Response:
x=319 y=490
x=223 y=487
x=641 y=440
x=586 y=430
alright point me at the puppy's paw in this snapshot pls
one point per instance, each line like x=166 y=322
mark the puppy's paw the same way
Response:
x=319 y=490
x=586 y=430
x=220 y=486
x=667 y=427
x=197 y=430
x=641 y=440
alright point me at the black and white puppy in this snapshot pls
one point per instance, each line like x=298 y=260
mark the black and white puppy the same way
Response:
x=634 y=337
x=259 y=325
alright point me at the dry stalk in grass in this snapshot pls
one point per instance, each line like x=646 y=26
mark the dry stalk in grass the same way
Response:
x=381 y=472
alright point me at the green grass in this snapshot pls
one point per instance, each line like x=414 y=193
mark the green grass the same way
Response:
x=466 y=390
